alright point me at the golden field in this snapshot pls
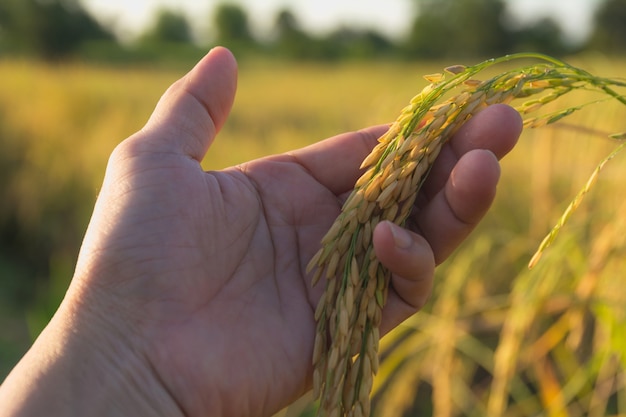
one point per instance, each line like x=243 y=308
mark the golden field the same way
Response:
x=495 y=339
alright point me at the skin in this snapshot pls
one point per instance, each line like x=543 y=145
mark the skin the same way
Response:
x=189 y=295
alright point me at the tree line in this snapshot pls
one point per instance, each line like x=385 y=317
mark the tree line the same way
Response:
x=57 y=29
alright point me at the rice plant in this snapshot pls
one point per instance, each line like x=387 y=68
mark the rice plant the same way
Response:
x=350 y=310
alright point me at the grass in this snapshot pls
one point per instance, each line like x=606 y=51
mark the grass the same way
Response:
x=495 y=339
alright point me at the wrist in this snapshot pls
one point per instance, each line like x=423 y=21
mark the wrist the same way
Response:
x=83 y=365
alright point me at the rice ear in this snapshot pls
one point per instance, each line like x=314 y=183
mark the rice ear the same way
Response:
x=349 y=314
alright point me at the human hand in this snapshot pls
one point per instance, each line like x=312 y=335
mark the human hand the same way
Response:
x=190 y=290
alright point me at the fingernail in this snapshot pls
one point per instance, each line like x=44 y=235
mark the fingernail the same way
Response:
x=401 y=237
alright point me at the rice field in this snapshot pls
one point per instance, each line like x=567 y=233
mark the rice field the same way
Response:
x=495 y=340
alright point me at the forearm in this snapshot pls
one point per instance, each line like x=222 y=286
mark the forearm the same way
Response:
x=67 y=373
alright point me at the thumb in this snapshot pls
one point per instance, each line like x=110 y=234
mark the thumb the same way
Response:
x=194 y=108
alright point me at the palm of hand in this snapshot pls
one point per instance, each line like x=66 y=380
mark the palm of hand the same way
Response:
x=221 y=258
x=246 y=300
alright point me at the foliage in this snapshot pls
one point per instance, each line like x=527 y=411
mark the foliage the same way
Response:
x=52 y=29
x=57 y=29
x=610 y=31
x=362 y=44
x=232 y=27
x=290 y=40
x=459 y=29
x=545 y=35
x=169 y=26
x=441 y=28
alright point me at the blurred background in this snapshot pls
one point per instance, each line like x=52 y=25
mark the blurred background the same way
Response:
x=77 y=77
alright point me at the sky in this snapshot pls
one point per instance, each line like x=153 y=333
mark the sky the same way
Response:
x=390 y=17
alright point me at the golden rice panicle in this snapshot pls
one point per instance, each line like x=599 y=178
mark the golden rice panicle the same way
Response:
x=350 y=311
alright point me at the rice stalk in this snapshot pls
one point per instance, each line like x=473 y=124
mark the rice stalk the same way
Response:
x=349 y=313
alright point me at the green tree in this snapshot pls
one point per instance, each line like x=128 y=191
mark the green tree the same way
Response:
x=291 y=41
x=545 y=36
x=609 y=34
x=51 y=29
x=169 y=26
x=451 y=28
x=362 y=44
x=231 y=25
